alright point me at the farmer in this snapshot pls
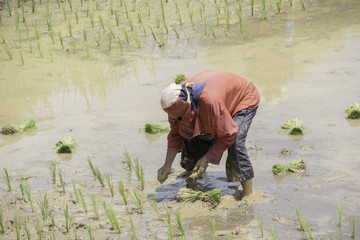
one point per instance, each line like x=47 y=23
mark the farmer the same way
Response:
x=210 y=113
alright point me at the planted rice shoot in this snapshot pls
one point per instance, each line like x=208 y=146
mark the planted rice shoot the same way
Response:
x=33 y=6
x=67 y=218
x=28 y=194
x=70 y=28
x=353 y=112
x=52 y=219
x=2 y=221
x=240 y=22
x=303 y=5
x=112 y=217
x=295 y=166
x=8 y=51
x=98 y=39
x=73 y=43
x=88 y=227
x=293 y=127
x=120 y=46
x=352 y=226
x=339 y=209
x=38 y=230
x=52 y=169
x=127 y=158
x=92 y=20
x=304 y=224
x=7 y=178
x=180 y=224
x=154 y=128
x=44 y=206
x=38 y=46
x=25 y=225
x=61 y=40
x=137 y=200
x=17 y=20
x=134 y=235
x=101 y=22
x=175 y=31
x=137 y=39
x=213 y=229
x=64 y=12
x=85 y=34
x=108 y=179
x=153 y=203
x=77 y=197
x=22 y=188
x=96 y=172
x=62 y=181
x=66 y=144
x=17 y=227
x=82 y=200
x=122 y=191
x=278 y=5
x=95 y=207
x=52 y=36
x=139 y=172
x=260 y=223
x=274 y=233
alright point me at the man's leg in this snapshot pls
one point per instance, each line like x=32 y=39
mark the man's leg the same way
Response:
x=238 y=164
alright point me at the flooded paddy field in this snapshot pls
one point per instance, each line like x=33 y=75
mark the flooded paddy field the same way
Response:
x=95 y=70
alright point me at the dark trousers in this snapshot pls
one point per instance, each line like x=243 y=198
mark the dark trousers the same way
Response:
x=238 y=164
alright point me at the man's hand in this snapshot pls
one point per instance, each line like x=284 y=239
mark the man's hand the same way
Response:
x=201 y=166
x=163 y=173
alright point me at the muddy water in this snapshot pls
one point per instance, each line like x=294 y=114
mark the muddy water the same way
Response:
x=305 y=64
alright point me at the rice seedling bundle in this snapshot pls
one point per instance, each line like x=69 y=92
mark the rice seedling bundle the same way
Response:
x=353 y=112
x=179 y=78
x=189 y=195
x=297 y=165
x=293 y=127
x=26 y=125
x=66 y=144
x=156 y=128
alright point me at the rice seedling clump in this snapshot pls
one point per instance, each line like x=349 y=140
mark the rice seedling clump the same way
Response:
x=8 y=130
x=297 y=165
x=66 y=144
x=26 y=125
x=156 y=128
x=293 y=127
x=353 y=112
x=179 y=78
x=189 y=195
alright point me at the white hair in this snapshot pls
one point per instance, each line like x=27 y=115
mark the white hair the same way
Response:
x=169 y=95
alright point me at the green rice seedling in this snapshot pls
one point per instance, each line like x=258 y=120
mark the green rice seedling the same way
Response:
x=137 y=39
x=1 y=22
x=17 y=21
x=101 y=22
x=52 y=36
x=77 y=198
x=64 y=12
x=291 y=3
x=139 y=16
x=138 y=201
x=98 y=39
x=110 y=184
x=25 y=225
x=70 y=28
x=87 y=11
x=33 y=6
x=352 y=226
x=28 y=194
x=134 y=235
x=90 y=232
x=22 y=188
x=191 y=16
x=180 y=224
x=274 y=233
x=9 y=7
x=67 y=218
x=117 y=18
x=126 y=35
x=160 y=37
x=44 y=206
x=264 y=14
x=48 y=22
x=30 y=47
x=304 y=224
x=297 y=165
x=112 y=217
x=52 y=169
x=353 y=112
x=70 y=5
x=185 y=34
x=36 y=31
x=153 y=203
x=178 y=79
x=252 y=7
x=240 y=22
x=157 y=22
x=131 y=24
x=213 y=228
x=95 y=207
x=8 y=51
x=52 y=219
x=73 y=43
x=96 y=172
x=66 y=144
x=85 y=34
x=278 y=5
x=175 y=31
x=38 y=230
x=7 y=178
x=97 y=6
x=62 y=181
x=87 y=50
x=122 y=191
x=61 y=40
x=110 y=38
x=2 y=221
x=111 y=7
x=339 y=208
x=58 y=3
x=120 y=46
x=212 y=30
x=303 y=5
x=38 y=46
x=77 y=16
x=227 y=23
x=260 y=223
x=81 y=2
x=139 y=171
x=293 y=127
x=126 y=10
x=152 y=33
x=82 y=200
x=17 y=227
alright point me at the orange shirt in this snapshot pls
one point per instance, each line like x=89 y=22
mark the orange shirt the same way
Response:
x=224 y=94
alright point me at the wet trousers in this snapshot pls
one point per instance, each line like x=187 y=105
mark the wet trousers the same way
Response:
x=238 y=164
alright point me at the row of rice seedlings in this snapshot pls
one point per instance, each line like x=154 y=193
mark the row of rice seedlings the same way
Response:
x=112 y=217
x=95 y=207
x=44 y=206
x=7 y=178
x=62 y=181
x=82 y=200
x=96 y=172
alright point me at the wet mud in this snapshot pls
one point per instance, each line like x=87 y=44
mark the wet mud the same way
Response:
x=104 y=90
